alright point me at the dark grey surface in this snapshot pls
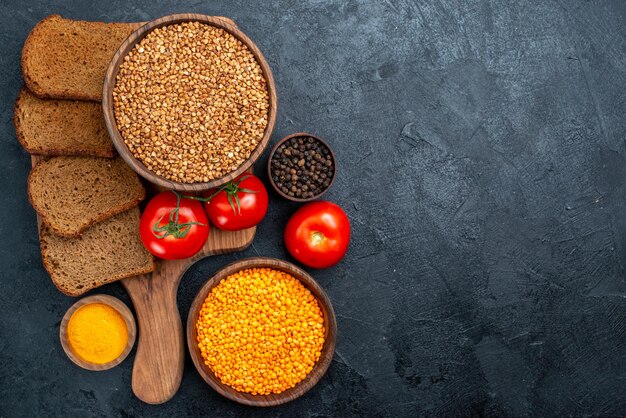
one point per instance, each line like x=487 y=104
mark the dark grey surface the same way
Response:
x=483 y=166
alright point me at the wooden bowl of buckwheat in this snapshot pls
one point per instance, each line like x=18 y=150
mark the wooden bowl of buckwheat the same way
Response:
x=189 y=102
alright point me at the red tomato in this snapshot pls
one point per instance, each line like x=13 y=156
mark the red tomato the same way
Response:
x=171 y=233
x=240 y=204
x=318 y=234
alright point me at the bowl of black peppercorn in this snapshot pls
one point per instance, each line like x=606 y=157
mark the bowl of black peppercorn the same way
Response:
x=301 y=167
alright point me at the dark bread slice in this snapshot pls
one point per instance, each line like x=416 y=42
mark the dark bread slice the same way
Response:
x=108 y=251
x=61 y=127
x=73 y=193
x=67 y=59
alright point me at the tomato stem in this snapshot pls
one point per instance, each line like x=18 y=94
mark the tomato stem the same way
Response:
x=231 y=189
x=173 y=227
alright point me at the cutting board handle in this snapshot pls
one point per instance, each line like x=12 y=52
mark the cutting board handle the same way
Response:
x=159 y=361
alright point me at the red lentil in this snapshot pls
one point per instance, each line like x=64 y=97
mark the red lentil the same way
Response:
x=260 y=331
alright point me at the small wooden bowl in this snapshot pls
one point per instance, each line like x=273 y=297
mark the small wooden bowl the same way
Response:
x=269 y=167
x=330 y=324
x=116 y=304
x=109 y=113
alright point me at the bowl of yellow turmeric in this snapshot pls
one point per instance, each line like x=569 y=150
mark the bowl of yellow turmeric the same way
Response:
x=98 y=332
x=261 y=332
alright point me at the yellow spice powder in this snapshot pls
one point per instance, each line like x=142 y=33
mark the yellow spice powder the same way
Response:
x=97 y=333
x=260 y=331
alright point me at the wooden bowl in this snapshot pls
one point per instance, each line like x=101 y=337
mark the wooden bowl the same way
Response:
x=269 y=167
x=109 y=115
x=330 y=324
x=116 y=304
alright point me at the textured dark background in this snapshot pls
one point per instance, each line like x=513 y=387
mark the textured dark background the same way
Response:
x=483 y=166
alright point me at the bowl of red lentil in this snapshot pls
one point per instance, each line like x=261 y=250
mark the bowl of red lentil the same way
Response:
x=189 y=102
x=261 y=332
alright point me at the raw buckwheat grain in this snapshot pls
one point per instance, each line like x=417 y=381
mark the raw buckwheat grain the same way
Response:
x=191 y=102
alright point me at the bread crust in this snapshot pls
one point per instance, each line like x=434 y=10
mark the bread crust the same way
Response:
x=32 y=85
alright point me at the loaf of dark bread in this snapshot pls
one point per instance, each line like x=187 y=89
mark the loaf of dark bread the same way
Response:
x=73 y=193
x=61 y=127
x=108 y=251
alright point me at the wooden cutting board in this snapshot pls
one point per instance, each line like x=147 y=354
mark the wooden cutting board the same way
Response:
x=160 y=355
x=159 y=360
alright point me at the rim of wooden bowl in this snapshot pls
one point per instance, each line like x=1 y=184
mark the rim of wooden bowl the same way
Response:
x=109 y=112
x=271 y=156
x=121 y=308
x=320 y=367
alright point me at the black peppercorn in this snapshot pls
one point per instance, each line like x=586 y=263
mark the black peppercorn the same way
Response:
x=302 y=167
